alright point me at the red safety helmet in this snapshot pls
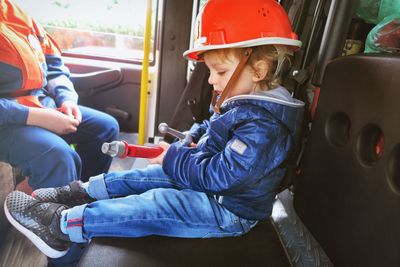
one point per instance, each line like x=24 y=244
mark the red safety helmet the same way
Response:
x=241 y=23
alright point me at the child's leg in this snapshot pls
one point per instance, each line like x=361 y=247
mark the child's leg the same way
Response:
x=132 y=182
x=166 y=212
x=105 y=186
x=42 y=155
x=95 y=129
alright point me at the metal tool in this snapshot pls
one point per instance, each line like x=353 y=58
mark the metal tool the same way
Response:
x=122 y=150
x=185 y=137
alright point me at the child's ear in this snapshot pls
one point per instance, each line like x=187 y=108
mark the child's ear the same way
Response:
x=260 y=70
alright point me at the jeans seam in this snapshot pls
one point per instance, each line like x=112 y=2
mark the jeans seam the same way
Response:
x=143 y=179
x=149 y=219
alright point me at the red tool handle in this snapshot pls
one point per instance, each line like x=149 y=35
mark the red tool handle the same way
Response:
x=141 y=151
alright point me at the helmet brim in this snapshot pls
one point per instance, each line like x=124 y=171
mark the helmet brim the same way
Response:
x=194 y=53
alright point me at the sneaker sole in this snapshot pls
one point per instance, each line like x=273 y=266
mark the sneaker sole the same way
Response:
x=36 y=240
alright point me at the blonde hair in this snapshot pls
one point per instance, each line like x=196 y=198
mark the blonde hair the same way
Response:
x=277 y=57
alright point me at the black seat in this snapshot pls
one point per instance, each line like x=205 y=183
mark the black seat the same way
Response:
x=260 y=247
x=348 y=194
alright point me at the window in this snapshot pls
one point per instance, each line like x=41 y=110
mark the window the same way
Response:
x=95 y=28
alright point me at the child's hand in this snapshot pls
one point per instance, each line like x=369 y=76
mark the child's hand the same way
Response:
x=193 y=145
x=160 y=158
x=52 y=120
x=71 y=109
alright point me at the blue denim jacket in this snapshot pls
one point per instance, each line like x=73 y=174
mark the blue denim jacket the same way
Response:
x=240 y=157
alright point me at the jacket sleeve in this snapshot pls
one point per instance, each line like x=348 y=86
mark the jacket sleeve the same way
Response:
x=58 y=83
x=198 y=130
x=247 y=156
x=11 y=112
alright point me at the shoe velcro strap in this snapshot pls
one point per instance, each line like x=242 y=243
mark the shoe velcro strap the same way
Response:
x=50 y=212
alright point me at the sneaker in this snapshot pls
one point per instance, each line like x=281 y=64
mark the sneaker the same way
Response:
x=71 y=195
x=39 y=222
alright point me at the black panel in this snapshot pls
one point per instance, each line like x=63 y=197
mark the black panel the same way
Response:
x=194 y=104
x=175 y=40
x=348 y=194
x=335 y=32
x=114 y=91
x=260 y=247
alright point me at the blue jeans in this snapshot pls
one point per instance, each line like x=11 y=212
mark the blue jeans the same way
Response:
x=48 y=159
x=144 y=202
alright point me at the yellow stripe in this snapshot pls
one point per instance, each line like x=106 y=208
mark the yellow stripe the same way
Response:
x=145 y=76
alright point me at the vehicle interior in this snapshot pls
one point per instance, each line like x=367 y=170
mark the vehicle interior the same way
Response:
x=337 y=204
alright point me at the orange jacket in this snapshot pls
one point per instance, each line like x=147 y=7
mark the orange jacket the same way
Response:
x=31 y=66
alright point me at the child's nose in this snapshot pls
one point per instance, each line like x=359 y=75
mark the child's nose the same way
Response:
x=211 y=79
